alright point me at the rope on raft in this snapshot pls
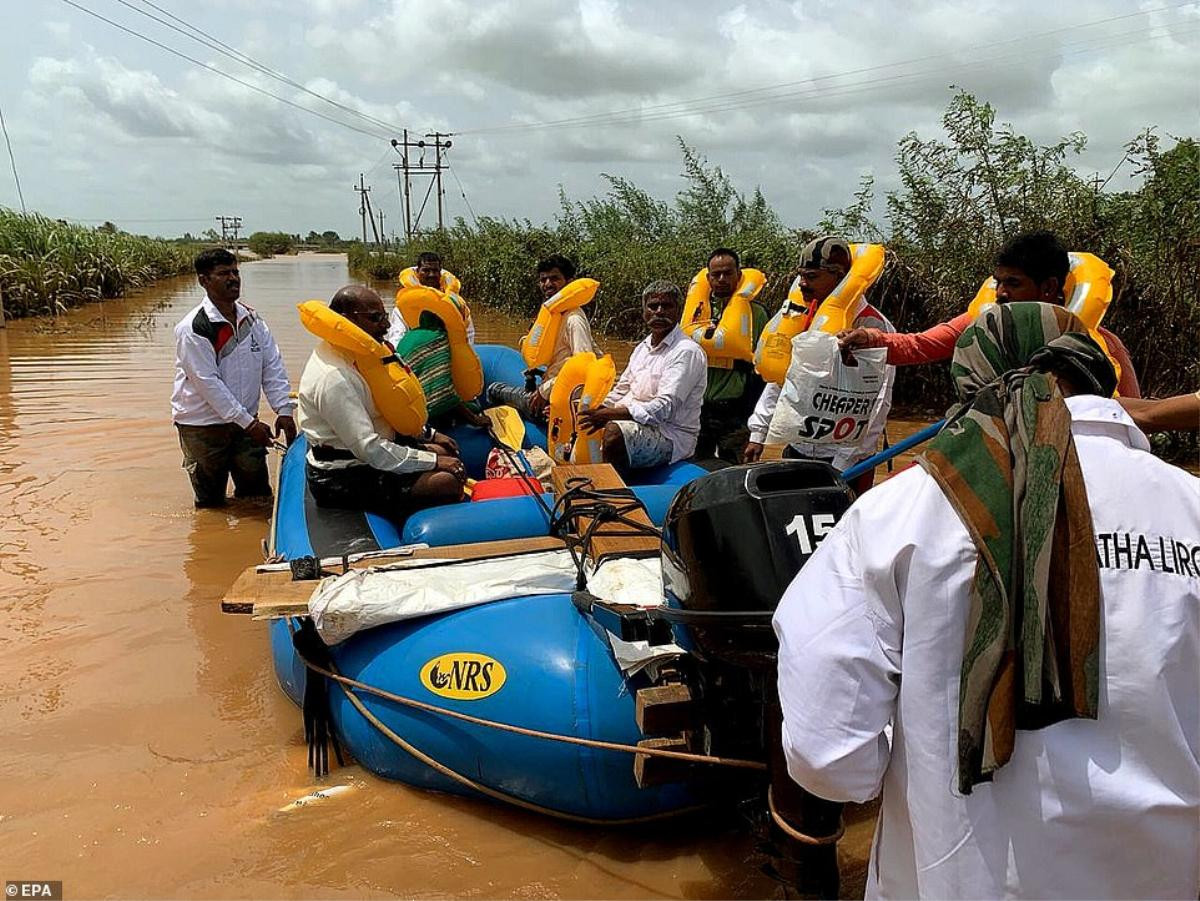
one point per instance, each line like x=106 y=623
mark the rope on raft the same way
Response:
x=317 y=733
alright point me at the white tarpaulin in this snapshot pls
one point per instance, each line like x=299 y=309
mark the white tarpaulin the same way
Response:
x=365 y=598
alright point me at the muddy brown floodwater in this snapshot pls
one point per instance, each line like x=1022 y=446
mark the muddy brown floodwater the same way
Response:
x=147 y=746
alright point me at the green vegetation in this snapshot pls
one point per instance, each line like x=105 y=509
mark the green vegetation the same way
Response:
x=47 y=265
x=268 y=244
x=959 y=198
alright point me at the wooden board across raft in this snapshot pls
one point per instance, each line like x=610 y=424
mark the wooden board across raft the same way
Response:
x=269 y=592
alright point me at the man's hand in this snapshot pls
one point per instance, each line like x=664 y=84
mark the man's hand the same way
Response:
x=260 y=433
x=286 y=426
x=855 y=339
x=447 y=442
x=752 y=452
x=594 y=420
x=452 y=465
x=538 y=404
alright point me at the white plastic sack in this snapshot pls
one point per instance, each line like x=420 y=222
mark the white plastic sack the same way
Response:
x=824 y=401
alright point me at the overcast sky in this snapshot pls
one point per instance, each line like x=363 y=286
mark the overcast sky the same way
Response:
x=106 y=126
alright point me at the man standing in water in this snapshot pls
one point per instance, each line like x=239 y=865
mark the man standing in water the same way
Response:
x=225 y=358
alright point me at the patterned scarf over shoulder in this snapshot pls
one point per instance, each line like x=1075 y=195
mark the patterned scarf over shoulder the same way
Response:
x=1007 y=463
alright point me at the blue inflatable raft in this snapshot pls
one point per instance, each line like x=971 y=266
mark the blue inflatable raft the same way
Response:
x=533 y=662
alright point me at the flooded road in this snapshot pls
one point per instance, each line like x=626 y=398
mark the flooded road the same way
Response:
x=148 y=748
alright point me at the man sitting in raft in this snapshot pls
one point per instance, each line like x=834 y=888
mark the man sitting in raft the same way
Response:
x=727 y=325
x=824 y=262
x=574 y=336
x=652 y=415
x=355 y=460
x=427 y=272
x=1029 y=267
x=426 y=350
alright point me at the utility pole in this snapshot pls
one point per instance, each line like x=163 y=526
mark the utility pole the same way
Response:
x=230 y=225
x=363 y=190
x=382 y=233
x=407 y=168
x=438 y=147
x=370 y=216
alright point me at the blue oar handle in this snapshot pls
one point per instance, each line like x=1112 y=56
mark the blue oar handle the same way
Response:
x=895 y=450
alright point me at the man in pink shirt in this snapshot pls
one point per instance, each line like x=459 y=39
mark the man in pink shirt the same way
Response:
x=1029 y=267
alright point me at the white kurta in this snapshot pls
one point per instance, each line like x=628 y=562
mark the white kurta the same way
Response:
x=871 y=632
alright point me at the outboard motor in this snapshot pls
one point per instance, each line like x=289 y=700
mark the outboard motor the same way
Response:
x=732 y=543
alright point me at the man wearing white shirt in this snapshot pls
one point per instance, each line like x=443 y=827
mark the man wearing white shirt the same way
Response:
x=355 y=459
x=225 y=358
x=652 y=415
x=874 y=631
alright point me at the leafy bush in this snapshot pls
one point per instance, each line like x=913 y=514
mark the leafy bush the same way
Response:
x=268 y=244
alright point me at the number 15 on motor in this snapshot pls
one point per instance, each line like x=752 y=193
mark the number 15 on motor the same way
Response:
x=809 y=530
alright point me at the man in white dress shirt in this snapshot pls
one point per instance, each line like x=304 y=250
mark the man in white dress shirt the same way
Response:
x=355 y=459
x=652 y=415
x=225 y=359
x=1096 y=791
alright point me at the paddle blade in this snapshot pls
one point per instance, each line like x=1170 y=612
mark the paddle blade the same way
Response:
x=508 y=426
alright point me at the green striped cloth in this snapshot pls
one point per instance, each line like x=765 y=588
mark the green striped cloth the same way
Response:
x=427 y=352
x=1007 y=463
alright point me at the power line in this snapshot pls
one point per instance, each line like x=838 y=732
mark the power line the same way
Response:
x=767 y=94
x=213 y=43
x=463 y=192
x=1118 y=40
x=13 y=161
x=221 y=72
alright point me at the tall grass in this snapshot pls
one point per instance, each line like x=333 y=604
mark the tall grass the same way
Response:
x=47 y=266
x=960 y=196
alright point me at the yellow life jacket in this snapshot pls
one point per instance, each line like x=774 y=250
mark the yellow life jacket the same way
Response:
x=537 y=347
x=1087 y=291
x=450 y=282
x=582 y=384
x=450 y=285
x=837 y=312
x=732 y=337
x=465 y=369
x=394 y=389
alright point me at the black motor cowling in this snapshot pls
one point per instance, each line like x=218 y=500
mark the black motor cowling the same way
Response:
x=732 y=542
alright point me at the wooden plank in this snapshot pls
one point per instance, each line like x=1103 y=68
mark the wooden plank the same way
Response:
x=611 y=539
x=649 y=771
x=665 y=709
x=273 y=594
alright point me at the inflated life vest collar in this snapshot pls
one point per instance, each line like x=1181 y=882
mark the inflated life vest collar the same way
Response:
x=582 y=384
x=537 y=347
x=1087 y=292
x=394 y=389
x=835 y=313
x=450 y=282
x=731 y=337
x=466 y=370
